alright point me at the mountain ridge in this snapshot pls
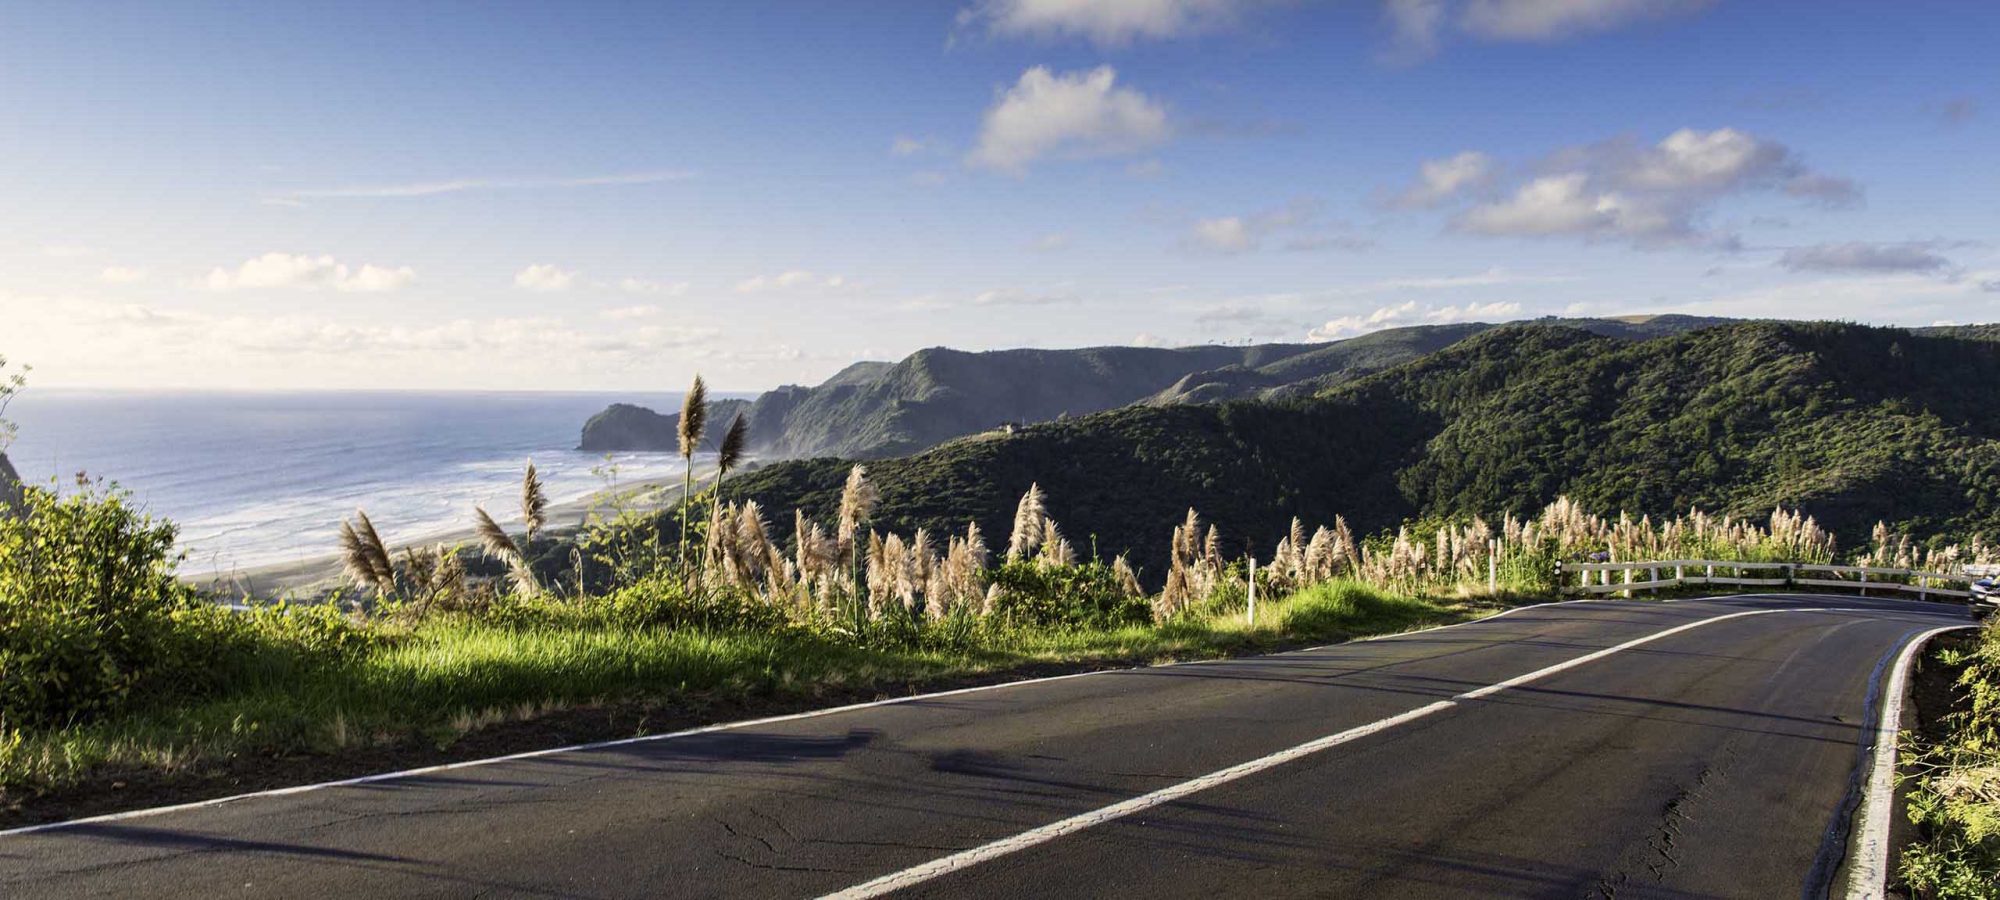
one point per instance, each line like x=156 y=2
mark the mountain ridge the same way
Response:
x=1851 y=423
x=873 y=410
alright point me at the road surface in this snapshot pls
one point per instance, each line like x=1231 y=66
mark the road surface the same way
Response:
x=1705 y=748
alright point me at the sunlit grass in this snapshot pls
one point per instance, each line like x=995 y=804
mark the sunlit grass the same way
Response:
x=445 y=678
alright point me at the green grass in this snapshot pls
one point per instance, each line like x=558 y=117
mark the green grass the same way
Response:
x=446 y=678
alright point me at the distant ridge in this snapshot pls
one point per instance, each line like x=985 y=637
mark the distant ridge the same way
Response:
x=873 y=410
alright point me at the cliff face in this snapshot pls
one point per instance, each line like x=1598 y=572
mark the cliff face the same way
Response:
x=624 y=427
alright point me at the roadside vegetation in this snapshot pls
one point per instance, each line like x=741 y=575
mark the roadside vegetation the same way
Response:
x=112 y=668
x=1954 y=787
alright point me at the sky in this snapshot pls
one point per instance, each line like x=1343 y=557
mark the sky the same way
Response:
x=610 y=196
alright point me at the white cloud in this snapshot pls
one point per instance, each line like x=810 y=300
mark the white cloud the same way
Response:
x=1548 y=20
x=465 y=185
x=1419 y=27
x=1862 y=256
x=545 y=277
x=1439 y=180
x=1229 y=234
x=1023 y=298
x=1648 y=196
x=1107 y=23
x=1069 y=115
x=121 y=275
x=627 y=313
x=1554 y=204
x=790 y=280
x=290 y=271
x=88 y=341
x=1148 y=339
x=1409 y=313
x=643 y=286
x=1239 y=234
x=1048 y=243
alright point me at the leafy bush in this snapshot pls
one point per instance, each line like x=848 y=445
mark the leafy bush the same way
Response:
x=1955 y=802
x=658 y=600
x=87 y=597
x=1034 y=593
x=211 y=649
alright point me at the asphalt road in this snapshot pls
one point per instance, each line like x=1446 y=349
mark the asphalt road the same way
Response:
x=1714 y=761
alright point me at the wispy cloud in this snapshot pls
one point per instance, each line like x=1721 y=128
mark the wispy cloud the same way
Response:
x=795 y=279
x=407 y=190
x=299 y=271
x=1863 y=256
x=545 y=277
x=1410 y=313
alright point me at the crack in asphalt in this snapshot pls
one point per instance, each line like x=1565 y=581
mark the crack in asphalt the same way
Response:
x=1674 y=816
x=776 y=867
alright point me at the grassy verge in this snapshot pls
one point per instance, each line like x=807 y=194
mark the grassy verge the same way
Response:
x=1954 y=783
x=448 y=688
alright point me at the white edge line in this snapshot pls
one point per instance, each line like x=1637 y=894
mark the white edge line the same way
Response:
x=705 y=729
x=910 y=877
x=1868 y=877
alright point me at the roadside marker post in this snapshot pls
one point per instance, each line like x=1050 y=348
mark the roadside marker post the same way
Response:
x=1493 y=567
x=1252 y=620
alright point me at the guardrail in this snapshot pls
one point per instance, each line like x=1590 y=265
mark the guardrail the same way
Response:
x=1596 y=577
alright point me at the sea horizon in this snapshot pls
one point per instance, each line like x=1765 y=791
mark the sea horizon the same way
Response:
x=256 y=478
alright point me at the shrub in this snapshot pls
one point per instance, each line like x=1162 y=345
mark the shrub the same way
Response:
x=1955 y=797
x=87 y=596
x=1036 y=593
x=212 y=649
x=658 y=600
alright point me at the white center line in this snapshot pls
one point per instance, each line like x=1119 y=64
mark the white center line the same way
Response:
x=915 y=875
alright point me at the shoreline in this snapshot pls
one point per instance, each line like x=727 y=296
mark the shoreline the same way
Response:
x=312 y=578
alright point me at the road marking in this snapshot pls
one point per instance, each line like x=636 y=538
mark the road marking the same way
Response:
x=915 y=875
x=1868 y=877
x=691 y=732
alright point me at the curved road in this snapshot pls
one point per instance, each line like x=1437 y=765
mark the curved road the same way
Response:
x=1705 y=748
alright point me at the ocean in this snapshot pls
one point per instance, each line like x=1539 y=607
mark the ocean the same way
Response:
x=260 y=478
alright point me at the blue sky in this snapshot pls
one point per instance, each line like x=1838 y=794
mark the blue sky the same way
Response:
x=615 y=196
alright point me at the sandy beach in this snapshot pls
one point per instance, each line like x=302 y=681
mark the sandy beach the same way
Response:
x=314 y=577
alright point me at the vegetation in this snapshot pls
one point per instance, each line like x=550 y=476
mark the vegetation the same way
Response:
x=1849 y=424
x=885 y=578
x=1955 y=792
x=11 y=384
x=874 y=410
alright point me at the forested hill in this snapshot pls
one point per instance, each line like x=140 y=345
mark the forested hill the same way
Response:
x=1851 y=423
x=878 y=409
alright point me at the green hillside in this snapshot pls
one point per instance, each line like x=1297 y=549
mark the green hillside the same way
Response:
x=875 y=409
x=1851 y=423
